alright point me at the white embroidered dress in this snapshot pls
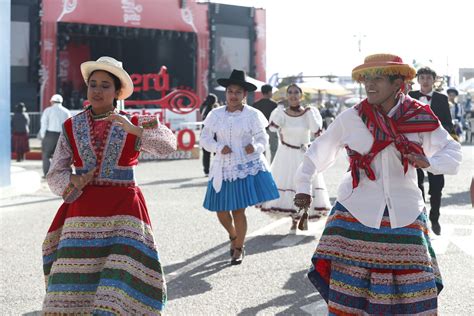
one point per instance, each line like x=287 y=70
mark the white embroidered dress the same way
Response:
x=295 y=131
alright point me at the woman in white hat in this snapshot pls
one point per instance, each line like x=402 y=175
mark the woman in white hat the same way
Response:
x=99 y=255
x=239 y=176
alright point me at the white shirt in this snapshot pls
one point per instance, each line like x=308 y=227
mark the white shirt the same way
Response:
x=392 y=187
x=425 y=99
x=236 y=130
x=53 y=118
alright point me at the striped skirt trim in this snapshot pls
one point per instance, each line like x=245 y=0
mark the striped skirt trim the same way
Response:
x=356 y=291
x=103 y=265
x=363 y=270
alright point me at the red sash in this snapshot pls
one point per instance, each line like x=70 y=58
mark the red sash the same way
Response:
x=410 y=117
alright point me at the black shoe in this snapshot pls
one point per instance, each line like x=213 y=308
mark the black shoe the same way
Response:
x=232 y=239
x=238 y=256
x=436 y=228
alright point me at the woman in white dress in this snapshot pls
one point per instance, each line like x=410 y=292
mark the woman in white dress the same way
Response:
x=295 y=125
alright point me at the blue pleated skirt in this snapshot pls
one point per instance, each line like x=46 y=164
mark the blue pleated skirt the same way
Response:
x=241 y=193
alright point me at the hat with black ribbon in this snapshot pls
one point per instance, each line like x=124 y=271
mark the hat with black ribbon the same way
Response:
x=237 y=77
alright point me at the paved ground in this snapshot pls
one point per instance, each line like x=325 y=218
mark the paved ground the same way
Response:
x=193 y=247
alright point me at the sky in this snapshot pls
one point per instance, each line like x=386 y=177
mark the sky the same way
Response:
x=322 y=37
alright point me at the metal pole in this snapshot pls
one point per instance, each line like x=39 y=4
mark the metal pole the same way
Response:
x=359 y=46
x=5 y=139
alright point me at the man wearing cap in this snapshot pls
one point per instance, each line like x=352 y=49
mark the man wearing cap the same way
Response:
x=52 y=121
x=375 y=250
x=439 y=105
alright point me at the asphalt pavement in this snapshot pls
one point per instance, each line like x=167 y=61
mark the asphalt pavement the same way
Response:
x=194 y=248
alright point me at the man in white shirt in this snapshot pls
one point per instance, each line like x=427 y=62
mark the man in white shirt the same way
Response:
x=377 y=230
x=52 y=121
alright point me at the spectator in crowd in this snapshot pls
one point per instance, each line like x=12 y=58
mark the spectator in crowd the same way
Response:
x=20 y=132
x=457 y=111
x=266 y=105
x=439 y=105
x=468 y=106
x=206 y=107
x=52 y=121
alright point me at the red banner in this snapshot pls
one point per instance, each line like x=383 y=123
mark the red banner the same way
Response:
x=162 y=15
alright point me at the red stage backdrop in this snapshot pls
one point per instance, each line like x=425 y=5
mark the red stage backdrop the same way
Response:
x=157 y=90
x=151 y=14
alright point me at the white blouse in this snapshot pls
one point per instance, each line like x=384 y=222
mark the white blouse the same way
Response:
x=236 y=130
x=392 y=187
x=296 y=130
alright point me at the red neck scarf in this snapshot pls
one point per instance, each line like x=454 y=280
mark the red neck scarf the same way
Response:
x=410 y=117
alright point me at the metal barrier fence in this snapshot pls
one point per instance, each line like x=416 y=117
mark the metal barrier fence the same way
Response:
x=35 y=123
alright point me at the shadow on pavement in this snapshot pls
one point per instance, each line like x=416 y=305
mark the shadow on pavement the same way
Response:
x=191 y=185
x=30 y=202
x=266 y=243
x=193 y=282
x=302 y=294
x=169 y=181
x=459 y=198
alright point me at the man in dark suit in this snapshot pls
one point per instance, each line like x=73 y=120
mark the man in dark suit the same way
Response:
x=266 y=105
x=440 y=106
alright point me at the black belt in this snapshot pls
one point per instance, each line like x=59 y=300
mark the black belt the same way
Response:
x=291 y=146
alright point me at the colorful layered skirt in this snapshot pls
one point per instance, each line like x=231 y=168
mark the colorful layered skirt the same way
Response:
x=100 y=257
x=241 y=193
x=361 y=270
x=20 y=143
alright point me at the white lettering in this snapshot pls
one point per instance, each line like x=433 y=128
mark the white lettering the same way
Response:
x=179 y=154
x=131 y=12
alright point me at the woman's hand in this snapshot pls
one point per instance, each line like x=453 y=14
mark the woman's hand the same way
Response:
x=226 y=150
x=302 y=200
x=249 y=149
x=125 y=123
x=80 y=181
x=418 y=160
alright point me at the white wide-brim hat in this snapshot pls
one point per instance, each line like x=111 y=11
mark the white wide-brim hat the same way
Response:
x=114 y=67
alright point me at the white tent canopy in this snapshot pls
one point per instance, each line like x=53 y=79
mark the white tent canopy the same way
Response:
x=320 y=85
x=467 y=85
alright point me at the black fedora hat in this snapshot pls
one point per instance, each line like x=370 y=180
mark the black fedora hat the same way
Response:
x=452 y=90
x=237 y=77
